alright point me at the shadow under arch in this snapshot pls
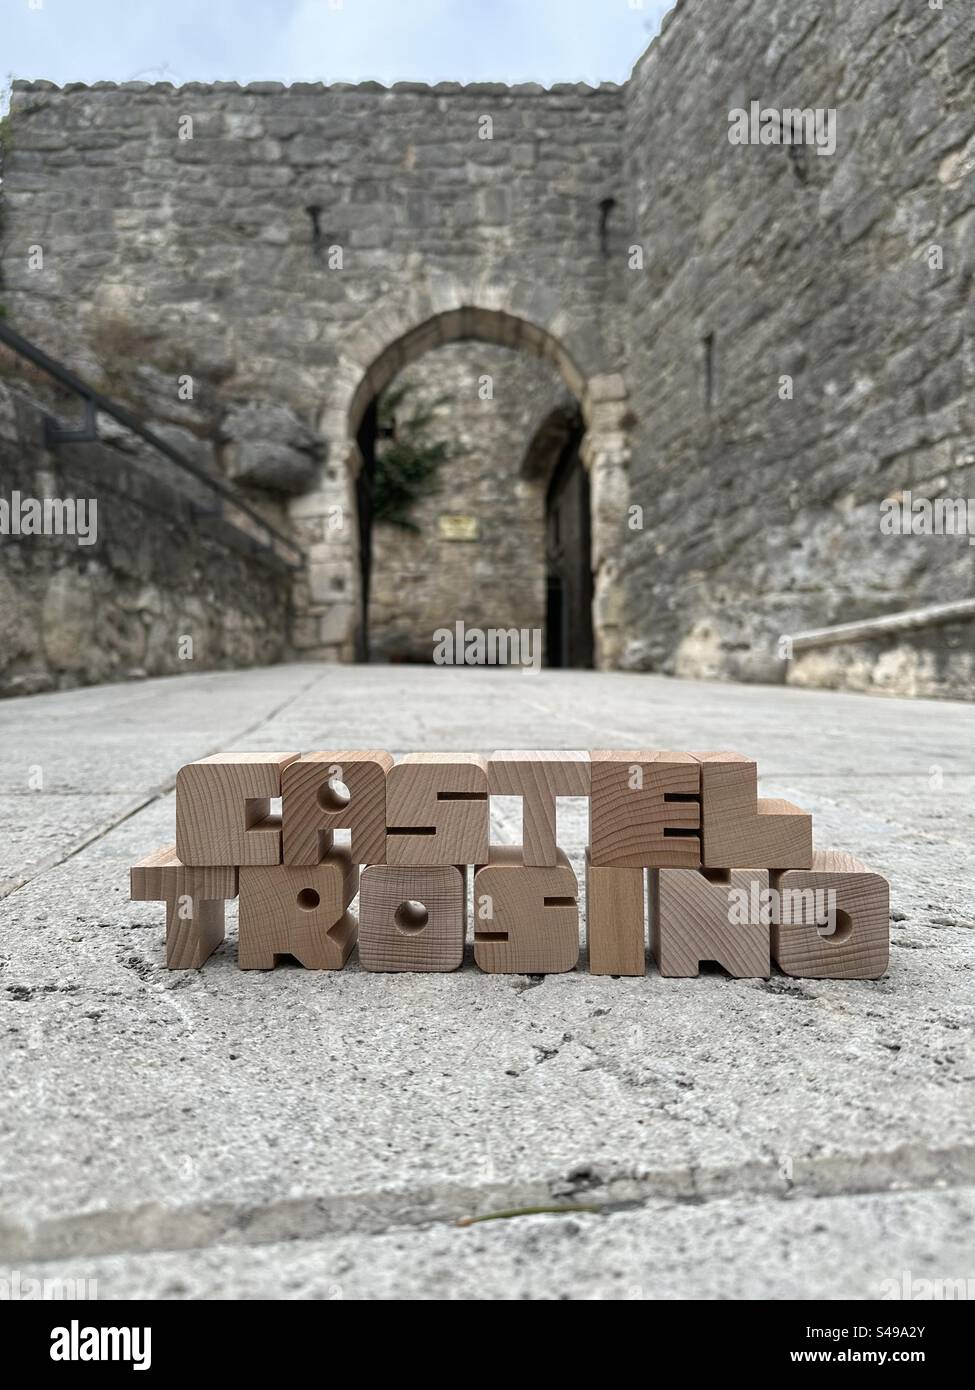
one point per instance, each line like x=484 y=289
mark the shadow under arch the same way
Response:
x=500 y=328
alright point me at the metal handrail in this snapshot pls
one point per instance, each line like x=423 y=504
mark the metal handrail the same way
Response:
x=95 y=401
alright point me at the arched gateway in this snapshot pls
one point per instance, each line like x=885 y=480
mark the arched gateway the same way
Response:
x=393 y=335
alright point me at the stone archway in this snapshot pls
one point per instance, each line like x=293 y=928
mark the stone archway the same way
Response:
x=328 y=600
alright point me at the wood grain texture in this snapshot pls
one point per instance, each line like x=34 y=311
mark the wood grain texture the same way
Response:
x=645 y=811
x=191 y=940
x=223 y=812
x=859 y=949
x=162 y=875
x=444 y=796
x=538 y=778
x=310 y=809
x=299 y=911
x=391 y=937
x=615 y=920
x=738 y=828
x=526 y=918
x=194 y=898
x=692 y=921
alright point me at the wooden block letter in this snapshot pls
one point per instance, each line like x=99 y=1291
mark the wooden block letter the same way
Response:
x=615 y=926
x=538 y=778
x=526 y=919
x=645 y=810
x=299 y=911
x=412 y=918
x=194 y=899
x=437 y=810
x=838 y=892
x=223 y=812
x=703 y=915
x=738 y=829
x=325 y=792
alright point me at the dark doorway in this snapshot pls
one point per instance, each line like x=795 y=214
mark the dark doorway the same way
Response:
x=568 y=563
x=366 y=440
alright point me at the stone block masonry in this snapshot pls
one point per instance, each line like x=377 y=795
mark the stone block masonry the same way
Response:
x=764 y=344
x=296 y=248
x=804 y=340
x=489 y=568
x=141 y=583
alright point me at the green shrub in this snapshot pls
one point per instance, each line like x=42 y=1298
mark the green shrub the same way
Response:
x=407 y=460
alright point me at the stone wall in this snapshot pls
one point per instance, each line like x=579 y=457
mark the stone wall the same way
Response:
x=161 y=590
x=297 y=247
x=936 y=662
x=425 y=580
x=796 y=347
x=762 y=514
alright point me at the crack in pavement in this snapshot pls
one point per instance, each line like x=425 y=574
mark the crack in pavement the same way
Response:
x=154 y=1228
x=59 y=857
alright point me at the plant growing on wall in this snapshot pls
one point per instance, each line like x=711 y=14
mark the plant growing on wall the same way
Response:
x=407 y=459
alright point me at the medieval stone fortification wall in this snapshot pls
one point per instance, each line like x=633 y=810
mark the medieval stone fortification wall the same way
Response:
x=762 y=514
x=145 y=582
x=289 y=251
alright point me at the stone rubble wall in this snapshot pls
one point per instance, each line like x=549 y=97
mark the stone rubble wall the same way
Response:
x=199 y=257
x=157 y=573
x=762 y=515
x=422 y=581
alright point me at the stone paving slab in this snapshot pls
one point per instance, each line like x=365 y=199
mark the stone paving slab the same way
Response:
x=875 y=1247
x=133 y=738
x=217 y=1112
x=37 y=832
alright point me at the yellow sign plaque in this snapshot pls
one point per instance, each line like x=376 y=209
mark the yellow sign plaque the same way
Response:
x=457 y=528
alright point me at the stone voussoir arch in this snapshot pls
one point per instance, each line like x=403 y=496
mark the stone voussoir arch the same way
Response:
x=390 y=336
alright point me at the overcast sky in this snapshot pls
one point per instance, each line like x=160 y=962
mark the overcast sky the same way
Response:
x=325 y=40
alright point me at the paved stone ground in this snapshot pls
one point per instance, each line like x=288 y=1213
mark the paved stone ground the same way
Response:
x=296 y=1134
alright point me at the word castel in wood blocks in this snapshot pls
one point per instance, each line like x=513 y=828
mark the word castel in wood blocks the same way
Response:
x=683 y=857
